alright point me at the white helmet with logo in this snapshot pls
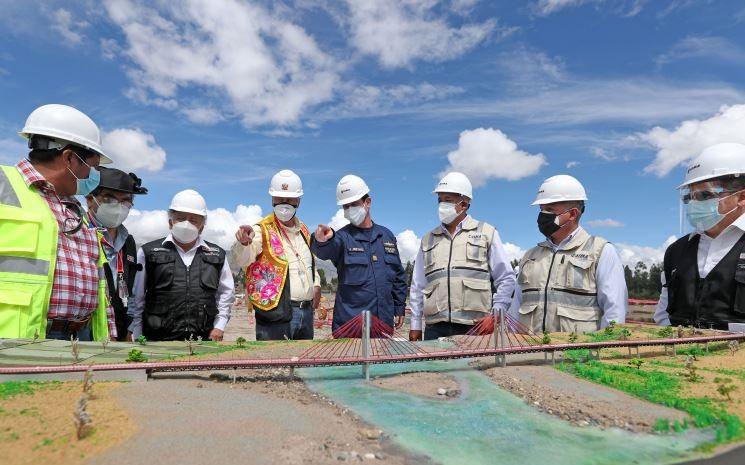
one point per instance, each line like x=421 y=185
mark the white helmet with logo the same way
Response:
x=455 y=183
x=286 y=184
x=64 y=124
x=560 y=188
x=715 y=161
x=350 y=189
x=189 y=201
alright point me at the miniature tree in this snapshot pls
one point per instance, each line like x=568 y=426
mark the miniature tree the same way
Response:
x=74 y=347
x=665 y=332
x=135 y=355
x=610 y=328
x=691 y=374
x=36 y=334
x=546 y=339
x=88 y=383
x=142 y=340
x=573 y=337
x=636 y=362
x=105 y=342
x=81 y=417
x=681 y=332
x=625 y=334
x=190 y=343
x=240 y=342
x=724 y=388
x=734 y=346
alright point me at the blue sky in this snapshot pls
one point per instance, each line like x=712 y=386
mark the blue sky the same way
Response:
x=219 y=95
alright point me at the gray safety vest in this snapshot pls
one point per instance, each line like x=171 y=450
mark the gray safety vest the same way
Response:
x=459 y=286
x=559 y=292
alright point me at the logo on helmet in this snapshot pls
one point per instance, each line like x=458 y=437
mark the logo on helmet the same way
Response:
x=285 y=187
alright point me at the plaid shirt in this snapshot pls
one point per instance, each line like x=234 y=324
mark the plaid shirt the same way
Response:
x=76 y=276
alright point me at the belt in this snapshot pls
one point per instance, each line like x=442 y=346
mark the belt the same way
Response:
x=302 y=303
x=67 y=325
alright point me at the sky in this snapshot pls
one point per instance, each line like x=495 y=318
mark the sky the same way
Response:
x=218 y=95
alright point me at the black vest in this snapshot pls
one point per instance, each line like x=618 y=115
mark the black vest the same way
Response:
x=180 y=301
x=710 y=302
x=130 y=269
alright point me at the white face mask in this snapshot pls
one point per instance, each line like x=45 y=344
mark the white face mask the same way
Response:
x=111 y=215
x=447 y=212
x=185 y=232
x=355 y=215
x=284 y=211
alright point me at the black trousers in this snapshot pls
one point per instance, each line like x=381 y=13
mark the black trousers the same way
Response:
x=445 y=329
x=273 y=331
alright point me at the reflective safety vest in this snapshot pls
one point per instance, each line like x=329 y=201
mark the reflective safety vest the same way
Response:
x=459 y=287
x=559 y=292
x=28 y=255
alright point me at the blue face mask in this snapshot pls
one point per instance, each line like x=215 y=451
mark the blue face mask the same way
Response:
x=87 y=185
x=704 y=214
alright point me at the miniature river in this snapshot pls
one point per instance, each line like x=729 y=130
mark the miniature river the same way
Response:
x=487 y=425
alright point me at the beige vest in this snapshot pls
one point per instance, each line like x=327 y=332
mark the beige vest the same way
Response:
x=459 y=287
x=559 y=292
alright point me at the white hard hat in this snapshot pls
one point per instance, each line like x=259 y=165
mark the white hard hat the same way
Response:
x=716 y=161
x=455 y=183
x=64 y=124
x=189 y=201
x=560 y=188
x=350 y=189
x=286 y=184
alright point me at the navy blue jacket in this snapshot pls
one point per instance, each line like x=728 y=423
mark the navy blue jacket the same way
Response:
x=371 y=276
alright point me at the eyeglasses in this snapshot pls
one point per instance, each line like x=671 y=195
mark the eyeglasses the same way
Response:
x=703 y=195
x=107 y=199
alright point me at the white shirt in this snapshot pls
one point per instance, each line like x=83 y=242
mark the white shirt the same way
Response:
x=610 y=280
x=300 y=266
x=502 y=275
x=711 y=250
x=224 y=297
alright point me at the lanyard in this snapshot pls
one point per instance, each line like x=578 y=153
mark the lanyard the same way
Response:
x=292 y=246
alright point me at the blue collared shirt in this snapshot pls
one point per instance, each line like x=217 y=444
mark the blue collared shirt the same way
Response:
x=371 y=276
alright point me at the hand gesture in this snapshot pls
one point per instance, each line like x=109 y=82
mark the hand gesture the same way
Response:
x=245 y=235
x=324 y=233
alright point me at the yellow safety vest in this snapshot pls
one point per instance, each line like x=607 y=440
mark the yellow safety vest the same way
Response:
x=28 y=256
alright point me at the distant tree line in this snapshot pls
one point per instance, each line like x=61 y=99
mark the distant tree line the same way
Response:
x=643 y=282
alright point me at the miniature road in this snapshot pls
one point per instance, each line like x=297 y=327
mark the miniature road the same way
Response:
x=187 y=419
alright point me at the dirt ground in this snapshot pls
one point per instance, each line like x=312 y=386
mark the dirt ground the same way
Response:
x=580 y=402
x=38 y=428
x=262 y=418
x=439 y=386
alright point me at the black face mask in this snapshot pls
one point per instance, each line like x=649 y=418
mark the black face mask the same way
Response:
x=547 y=223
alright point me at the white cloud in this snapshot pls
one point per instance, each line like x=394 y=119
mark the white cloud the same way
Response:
x=12 y=150
x=572 y=164
x=487 y=153
x=710 y=48
x=626 y=8
x=133 y=150
x=591 y=101
x=606 y=223
x=248 y=59
x=67 y=27
x=338 y=221
x=679 y=146
x=401 y=32
x=221 y=225
x=547 y=7
x=408 y=245
x=514 y=252
x=631 y=254
x=203 y=115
